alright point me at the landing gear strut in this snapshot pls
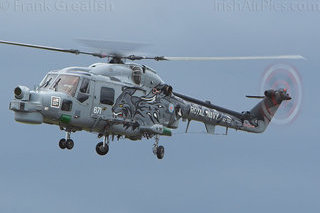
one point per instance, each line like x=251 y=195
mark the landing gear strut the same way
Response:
x=158 y=150
x=66 y=142
x=102 y=148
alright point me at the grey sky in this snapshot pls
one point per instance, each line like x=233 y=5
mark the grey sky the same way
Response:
x=273 y=172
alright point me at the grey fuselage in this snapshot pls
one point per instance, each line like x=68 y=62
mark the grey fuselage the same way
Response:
x=127 y=100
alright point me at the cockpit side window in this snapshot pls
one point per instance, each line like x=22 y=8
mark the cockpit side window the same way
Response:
x=84 y=90
x=67 y=84
x=48 y=80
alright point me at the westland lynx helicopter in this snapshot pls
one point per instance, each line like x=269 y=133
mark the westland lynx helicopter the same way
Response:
x=118 y=99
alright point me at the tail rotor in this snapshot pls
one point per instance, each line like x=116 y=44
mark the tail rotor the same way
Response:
x=287 y=77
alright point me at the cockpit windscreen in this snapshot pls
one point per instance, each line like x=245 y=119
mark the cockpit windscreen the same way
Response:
x=48 y=80
x=67 y=84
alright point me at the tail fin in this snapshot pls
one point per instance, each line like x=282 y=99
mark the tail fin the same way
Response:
x=264 y=111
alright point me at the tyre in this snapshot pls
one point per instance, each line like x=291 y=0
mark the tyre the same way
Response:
x=62 y=143
x=69 y=144
x=160 y=152
x=102 y=150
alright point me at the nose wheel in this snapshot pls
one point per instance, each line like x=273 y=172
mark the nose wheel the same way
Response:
x=66 y=143
x=158 y=150
x=62 y=143
x=69 y=144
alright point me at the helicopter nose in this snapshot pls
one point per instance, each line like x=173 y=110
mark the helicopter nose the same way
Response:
x=26 y=106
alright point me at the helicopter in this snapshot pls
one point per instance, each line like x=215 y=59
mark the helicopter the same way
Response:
x=119 y=99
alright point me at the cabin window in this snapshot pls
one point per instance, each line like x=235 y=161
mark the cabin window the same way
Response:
x=107 y=96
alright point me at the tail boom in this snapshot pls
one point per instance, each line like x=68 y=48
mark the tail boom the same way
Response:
x=256 y=120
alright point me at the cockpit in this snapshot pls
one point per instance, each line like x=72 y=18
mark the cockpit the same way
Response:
x=67 y=84
x=47 y=81
x=63 y=83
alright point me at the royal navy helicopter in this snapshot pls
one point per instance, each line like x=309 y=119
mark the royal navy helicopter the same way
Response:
x=122 y=99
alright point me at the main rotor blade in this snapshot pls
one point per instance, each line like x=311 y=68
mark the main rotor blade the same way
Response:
x=291 y=57
x=119 y=48
x=137 y=57
x=73 y=51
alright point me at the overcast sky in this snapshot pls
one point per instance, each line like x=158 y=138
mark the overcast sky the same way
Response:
x=277 y=171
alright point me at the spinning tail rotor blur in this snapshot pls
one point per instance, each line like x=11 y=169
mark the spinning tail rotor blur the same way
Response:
x=286 y=77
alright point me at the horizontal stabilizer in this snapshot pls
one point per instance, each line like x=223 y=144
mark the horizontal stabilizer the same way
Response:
x=255 y=96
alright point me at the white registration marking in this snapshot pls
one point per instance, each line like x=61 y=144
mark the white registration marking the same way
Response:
x=97 y=110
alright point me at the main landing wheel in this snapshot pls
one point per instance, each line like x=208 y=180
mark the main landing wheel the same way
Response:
x=160 y=152
x=102 y=150
x=69 y=144
x=62 y=143
x=66 y=142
